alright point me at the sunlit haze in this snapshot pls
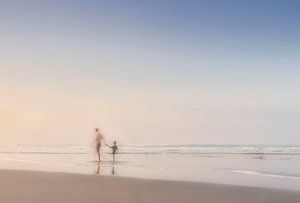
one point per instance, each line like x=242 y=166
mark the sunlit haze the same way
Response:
x=150 y=72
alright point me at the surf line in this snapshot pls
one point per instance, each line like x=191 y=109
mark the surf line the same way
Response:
x=25 y=161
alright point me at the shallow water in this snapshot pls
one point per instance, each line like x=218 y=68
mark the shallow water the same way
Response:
x=264 y=166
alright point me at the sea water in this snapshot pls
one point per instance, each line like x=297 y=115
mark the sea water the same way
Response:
x=252 y=165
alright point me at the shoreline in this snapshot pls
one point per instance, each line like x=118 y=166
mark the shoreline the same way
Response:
x=37 y=186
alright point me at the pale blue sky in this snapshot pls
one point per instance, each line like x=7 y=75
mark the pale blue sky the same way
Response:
x=207 y=72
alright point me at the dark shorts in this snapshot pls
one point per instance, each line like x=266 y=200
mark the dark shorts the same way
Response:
x=98 y=147
x=114 y=151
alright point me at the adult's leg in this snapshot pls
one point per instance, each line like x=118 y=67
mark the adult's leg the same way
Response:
x=98 y=152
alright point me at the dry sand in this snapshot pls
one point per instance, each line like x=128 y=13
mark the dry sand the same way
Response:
x=44 y=187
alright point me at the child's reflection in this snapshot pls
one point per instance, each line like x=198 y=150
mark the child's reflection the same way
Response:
x=113 y=170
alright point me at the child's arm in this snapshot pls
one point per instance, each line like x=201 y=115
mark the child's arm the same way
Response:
x=108 y=145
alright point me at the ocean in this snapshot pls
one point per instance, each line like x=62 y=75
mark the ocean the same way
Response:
x=251 y=165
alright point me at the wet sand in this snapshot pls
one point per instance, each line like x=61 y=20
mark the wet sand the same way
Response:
x=46 y=187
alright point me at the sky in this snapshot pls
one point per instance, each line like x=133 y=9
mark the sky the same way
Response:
x=150 y=72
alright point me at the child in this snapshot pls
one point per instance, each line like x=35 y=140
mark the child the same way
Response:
x=114 y=149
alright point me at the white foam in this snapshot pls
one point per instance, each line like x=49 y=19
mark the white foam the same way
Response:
x=265 y=174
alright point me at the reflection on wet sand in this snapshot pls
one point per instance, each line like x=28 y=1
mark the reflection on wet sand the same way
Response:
x=112 y=171
x=98 y=170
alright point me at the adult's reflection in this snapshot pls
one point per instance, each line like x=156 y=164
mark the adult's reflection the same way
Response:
x=98 y=170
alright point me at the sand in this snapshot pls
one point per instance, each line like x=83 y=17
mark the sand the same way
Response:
x=44 y=187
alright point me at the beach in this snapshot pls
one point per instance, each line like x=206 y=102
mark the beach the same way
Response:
x=255 y=166
x=150 y=101
x=37 y=187
x=172 y=173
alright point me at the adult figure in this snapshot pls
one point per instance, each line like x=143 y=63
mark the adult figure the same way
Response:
x=98 y=138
